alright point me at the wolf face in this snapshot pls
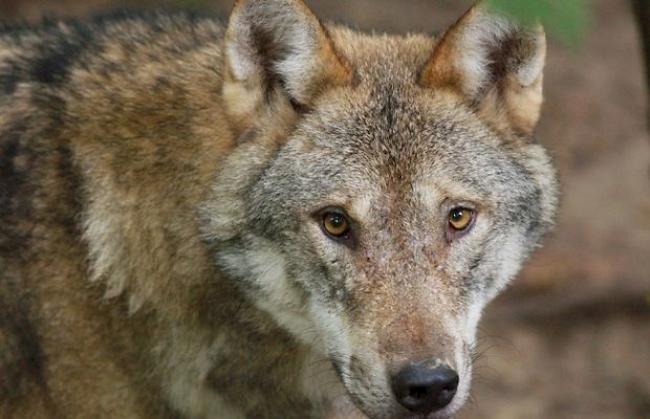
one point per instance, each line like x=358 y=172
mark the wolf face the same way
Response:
x=383 y=191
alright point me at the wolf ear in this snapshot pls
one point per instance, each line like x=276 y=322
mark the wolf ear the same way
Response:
x=278 y=45
x=495 y=64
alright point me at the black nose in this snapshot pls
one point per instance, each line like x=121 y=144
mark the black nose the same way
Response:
x=426 y=386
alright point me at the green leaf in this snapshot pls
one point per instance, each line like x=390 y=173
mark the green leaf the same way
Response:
x=566 y=20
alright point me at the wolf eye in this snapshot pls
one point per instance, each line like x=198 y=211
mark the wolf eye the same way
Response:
x=336 y=224
x=460 y=218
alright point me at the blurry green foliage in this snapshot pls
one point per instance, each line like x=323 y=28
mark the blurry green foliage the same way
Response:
x=565 y=19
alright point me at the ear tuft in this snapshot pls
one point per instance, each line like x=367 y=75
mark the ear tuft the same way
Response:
x=487 y=58
x=280 y=44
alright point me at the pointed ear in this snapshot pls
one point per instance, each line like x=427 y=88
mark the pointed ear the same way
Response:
x=278 y=45
x=495 y=64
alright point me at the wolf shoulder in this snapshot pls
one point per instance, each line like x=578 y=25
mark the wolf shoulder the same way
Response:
x=141 y=92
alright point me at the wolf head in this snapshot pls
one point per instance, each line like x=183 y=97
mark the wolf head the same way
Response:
x=384 y=190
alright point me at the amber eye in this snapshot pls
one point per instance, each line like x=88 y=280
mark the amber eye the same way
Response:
x=460 y=218
x=336 y=224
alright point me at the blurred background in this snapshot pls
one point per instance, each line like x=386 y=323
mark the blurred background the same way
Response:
x=571 y=337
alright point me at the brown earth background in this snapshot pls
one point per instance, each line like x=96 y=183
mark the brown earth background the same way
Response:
x=571 y=337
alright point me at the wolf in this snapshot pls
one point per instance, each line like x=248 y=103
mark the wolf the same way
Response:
x=272 y=218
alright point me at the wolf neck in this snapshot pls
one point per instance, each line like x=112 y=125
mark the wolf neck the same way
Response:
x=214 y=334
x=201 y=359
x=205 y=332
